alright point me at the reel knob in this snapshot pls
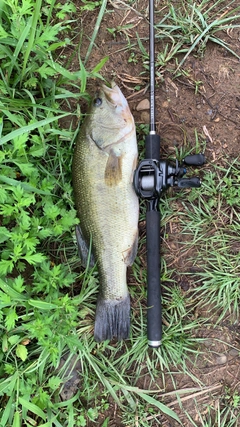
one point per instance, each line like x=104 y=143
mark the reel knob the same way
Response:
x=194 y=160
x=194 y=182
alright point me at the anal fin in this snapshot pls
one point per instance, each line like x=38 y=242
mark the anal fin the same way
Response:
x=83 y=249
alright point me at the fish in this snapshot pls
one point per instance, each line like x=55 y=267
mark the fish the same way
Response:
x=104 y=160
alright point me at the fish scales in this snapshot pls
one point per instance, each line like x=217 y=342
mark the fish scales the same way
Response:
x=104 y=160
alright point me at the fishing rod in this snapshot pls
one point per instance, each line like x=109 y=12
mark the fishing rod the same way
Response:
x=152 y=176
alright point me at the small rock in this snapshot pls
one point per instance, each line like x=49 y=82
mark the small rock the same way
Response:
x=145 y=117
x=208 y=342
x=221 y=359
x=72 y=376
x=234 y=352
x=143 y=105
x=165 y=104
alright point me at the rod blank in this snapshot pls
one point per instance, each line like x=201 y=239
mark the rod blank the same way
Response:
x=152 y=67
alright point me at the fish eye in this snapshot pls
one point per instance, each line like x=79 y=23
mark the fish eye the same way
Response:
x=97 y=102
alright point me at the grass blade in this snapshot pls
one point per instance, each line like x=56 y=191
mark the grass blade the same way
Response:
x=27 y=187
x=14 y=61
x=7 y=414
x=32 y=408
x=35 y=17
x=29 y=128
x=17 y=419
x=163 y=408
x=95 y=32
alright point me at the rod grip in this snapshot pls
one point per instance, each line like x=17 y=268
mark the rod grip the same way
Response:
x=154 y=312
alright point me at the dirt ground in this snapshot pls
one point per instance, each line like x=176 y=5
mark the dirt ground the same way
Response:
x=205 y=98
x=213 y=112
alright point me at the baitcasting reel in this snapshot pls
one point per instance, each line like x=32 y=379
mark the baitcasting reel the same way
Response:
x=152 y=176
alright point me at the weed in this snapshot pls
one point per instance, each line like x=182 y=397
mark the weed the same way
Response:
x=120 y=30
x=219 y=282
x=132 y=58
x=90 y=5
x=188 y=29
x=38 y=313
x=216 y=415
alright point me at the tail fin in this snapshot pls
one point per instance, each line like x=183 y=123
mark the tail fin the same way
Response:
x=112 y=319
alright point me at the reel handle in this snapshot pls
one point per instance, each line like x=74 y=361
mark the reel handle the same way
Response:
x=194 y=160
x=194 y=182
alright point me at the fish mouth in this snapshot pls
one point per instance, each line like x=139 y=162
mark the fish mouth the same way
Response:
x=114 y=95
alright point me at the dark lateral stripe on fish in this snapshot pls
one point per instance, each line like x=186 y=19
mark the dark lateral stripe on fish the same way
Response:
x=112 y=319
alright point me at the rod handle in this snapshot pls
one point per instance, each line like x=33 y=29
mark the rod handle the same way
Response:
x=154 y=311
x=152 y=143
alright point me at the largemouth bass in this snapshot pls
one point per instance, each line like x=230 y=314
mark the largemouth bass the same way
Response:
x=104 y=160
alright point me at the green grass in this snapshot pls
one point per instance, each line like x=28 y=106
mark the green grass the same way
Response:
x=221 y=413
x=211 y=219
x=188 y=26
x=47 y=302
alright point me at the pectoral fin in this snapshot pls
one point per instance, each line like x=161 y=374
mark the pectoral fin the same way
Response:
x=113 y=170
x=83 y=249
